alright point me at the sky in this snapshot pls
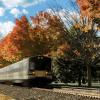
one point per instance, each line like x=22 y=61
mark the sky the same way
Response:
x=12 y=9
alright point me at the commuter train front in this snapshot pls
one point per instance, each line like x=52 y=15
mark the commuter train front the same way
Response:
x=31 y=68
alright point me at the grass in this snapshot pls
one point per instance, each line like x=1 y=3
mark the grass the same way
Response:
x=65 y=85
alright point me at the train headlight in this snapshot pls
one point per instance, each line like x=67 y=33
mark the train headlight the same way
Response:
x=46 y=73
x=33 y=73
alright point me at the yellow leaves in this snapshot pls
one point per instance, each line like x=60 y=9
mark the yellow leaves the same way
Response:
x=85 y=29
x=1 y=65
x=84 y=25
x=54 y=37
x=88 y=45
x=98 y=28
x=62 y=49
x=12 y=57
x=77 y=25
x=8 y=52
x=77 y=52
x=93 y=56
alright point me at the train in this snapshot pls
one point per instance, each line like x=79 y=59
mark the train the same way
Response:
x=29 y=69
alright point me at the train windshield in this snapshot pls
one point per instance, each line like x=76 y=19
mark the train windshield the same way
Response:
x=40 y=63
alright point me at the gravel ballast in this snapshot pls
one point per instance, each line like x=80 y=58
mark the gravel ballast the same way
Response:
x=25 y=93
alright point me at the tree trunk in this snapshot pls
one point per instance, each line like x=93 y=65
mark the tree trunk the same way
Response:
x=79 y=80
x=89 y=75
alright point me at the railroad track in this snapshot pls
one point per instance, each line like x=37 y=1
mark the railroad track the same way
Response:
x=80 y=92
x=25 y=93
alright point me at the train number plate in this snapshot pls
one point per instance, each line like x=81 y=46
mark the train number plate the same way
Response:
x=40 y=73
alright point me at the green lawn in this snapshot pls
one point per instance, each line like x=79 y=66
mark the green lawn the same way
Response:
x=59 y=85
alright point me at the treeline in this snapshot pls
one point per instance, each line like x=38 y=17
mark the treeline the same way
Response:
x=41 y=37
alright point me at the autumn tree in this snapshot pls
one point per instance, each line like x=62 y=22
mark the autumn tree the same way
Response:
x=13 y=46
x=90 y=8
x=84 y=43
x=31 y=39
x=81 y=35
x=48 y=29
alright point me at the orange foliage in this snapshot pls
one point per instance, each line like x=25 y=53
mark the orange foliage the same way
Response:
x=50 y=30
x=90 y=8
x=26 y=40
x=12 y=45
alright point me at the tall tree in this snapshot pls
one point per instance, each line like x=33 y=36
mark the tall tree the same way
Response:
x=13 y=46
x=48 y=28
x=33 y=39
x=81 y=35
x=84 y=43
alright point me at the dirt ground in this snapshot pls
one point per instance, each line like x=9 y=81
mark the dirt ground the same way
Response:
x=4 y=97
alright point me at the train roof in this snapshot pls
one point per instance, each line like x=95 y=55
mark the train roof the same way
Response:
x=39 y=56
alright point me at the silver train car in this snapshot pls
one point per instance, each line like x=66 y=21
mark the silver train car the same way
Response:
x=31 y=68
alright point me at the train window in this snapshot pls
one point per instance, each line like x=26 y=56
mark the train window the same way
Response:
x=32 y=66
x=40 y=63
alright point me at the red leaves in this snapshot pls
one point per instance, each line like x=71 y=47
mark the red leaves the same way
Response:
x=90 y=8
x=13 y=43
x=26 y=40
